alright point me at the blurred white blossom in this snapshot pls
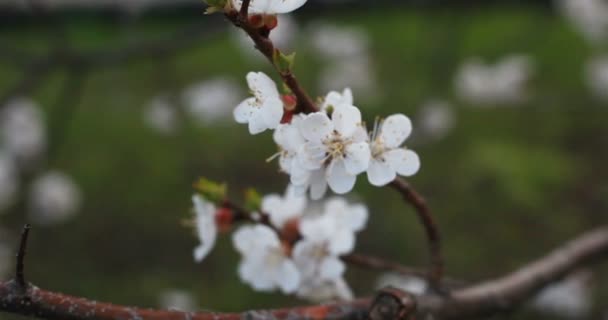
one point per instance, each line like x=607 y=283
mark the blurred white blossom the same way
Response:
x=435 y=119
x=265 y=109
x=411 y=284
x=206 y=227
x=570 y=298
x=161 y=115
x=336 y=43
x=357 y=73
x=179 y=300
x=597 y=76
x=211 y=100
x=589 y=16
x=9 y=181
x=265 y=264
x=501 y=83
x=281 y=209
x=23 y=130
x=54 y=197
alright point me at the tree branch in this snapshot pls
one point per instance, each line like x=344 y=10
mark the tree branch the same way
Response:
x=430 y=227
x=491 y=297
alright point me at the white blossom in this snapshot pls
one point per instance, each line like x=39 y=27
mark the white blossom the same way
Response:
x=265 y=265
x=175 y=299
x=54 y=198
x=435 y=119
x=570 y=298
x=356 y=72
x=589 y=16
x=281 y=209
x=210 y=100
x=411 y=284
x=9 y=180
x=388 y=158
x=339 y=145
x=206 y=226
x=289 y=139
x=161 y=115
x=23 y=130
x=334 y=99
x=326 y=237
x=270 y=7
x=502 y=83
x=337 y=43
x=265 y=109
x=597 y=76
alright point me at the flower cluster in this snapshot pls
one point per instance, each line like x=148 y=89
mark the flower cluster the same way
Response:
x=295 y=248
x=332 y=146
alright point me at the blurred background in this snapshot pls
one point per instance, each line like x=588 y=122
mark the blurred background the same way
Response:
x=110 y=110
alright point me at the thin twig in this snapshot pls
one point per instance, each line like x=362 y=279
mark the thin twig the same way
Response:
x=19 y=270
x=304 y=103
x=430 y=227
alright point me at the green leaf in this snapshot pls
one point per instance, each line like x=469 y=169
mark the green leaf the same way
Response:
x=282 y=61
x=211 y=190
x=253 y=200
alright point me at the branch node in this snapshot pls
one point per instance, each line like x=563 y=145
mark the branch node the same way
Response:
x=393 y=304
x=19 y=272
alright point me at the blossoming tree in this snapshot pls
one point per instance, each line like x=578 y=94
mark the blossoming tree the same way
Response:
x=300 y=242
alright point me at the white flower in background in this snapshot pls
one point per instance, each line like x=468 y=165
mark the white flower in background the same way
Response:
x=265 y=265
x=206 y=227
x=338 y=43
x=270 y=7
x=339 y=144
x=174 y=299
x=53 y=198
x=356 y=72
x=388 y=158
x=281 y=209
x=435 y=119
x=23 y=130
x=502 y=83
x=282 y=36
x=597 y=76
x=9 y=180
x=589 y=16
x=160 y=115
x=571 y=298
x=413 y=285
x=265 y=109
x=326 y=237
x=211 y=100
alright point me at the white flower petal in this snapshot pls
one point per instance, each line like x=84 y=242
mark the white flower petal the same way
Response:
x=288 y=136
x=249 y=240
x=252 y=271
x=318 y=184
x=394 y=130
x=346 y=119
x=272 y=111
x=342 y=242
x=339 y=180
x=299 y=175
x=311 y=155
x=405 y=162
x=245 y=110
x=288 y=276
x=205 y=227
x=380 y=173
x=257 y=123
x=262 y=86
x=316 y=127
x=357 y=157
x=284 y=6
x=357 y=217
x=331 y=268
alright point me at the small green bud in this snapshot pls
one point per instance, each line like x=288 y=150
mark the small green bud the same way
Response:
x=282 y=61
x=211 y=190
x=253 y=200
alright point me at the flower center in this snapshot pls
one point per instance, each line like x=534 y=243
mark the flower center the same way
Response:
x=377 y=147
x=274 y=257
x=336 y=146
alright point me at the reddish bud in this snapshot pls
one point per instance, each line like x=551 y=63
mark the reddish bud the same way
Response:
x=257 y=21
x=270 y=22
x=223 y=219
x=289 y=101
x=291 y=231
